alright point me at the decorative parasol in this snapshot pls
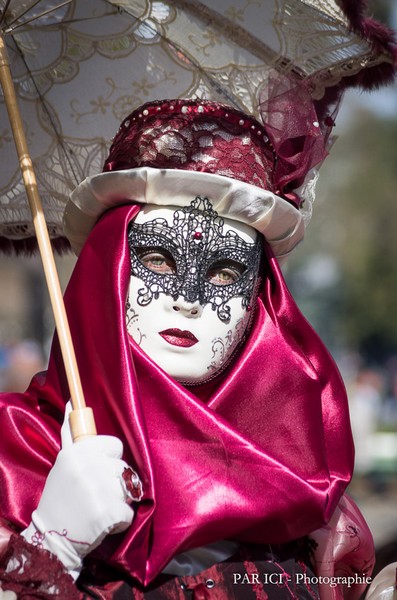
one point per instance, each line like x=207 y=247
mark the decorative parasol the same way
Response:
x=80 y=69
x=80 y=66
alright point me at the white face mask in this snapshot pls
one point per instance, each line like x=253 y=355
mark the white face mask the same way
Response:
x=193 y=279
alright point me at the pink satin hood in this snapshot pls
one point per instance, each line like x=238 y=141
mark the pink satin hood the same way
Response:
x=261 y=454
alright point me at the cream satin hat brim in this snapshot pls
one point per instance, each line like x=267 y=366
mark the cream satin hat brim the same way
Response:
x=280 y=222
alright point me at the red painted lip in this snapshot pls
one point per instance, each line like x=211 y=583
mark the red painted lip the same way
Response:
x=177 y=337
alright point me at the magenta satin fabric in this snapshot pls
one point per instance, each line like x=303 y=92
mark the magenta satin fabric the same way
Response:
x=262 y=454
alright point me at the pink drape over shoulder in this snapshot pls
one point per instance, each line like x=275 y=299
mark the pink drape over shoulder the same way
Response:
x=261 y=454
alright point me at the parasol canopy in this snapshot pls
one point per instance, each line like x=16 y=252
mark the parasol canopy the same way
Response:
x=81 y=66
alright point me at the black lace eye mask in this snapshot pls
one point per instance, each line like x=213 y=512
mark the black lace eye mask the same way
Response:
x=194 y=258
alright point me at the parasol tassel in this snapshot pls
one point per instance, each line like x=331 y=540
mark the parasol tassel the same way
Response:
x=81 y=418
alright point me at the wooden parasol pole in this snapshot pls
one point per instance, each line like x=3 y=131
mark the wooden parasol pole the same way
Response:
x=81 y=418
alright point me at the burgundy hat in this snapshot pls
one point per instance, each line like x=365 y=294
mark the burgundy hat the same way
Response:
x=209 y=137
x=195 y=136
x=167 y=152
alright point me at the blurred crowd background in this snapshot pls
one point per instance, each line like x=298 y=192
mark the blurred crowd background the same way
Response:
x=343 y=277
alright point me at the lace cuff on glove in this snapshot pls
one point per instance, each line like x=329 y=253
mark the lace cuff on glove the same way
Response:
x=31 y=572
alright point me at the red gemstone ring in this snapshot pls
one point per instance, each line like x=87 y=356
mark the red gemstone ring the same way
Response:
x=132 y=485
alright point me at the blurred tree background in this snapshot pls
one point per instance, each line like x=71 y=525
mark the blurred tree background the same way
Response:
x=344 y=276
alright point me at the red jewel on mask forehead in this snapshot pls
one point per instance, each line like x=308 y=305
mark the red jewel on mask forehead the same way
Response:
x=197 y=235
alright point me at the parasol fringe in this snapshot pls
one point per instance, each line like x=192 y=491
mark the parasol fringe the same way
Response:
x=28 y=246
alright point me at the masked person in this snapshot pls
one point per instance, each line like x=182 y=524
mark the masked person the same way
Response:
x=224 y=438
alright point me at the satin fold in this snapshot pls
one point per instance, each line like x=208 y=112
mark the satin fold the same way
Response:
x=261 y=454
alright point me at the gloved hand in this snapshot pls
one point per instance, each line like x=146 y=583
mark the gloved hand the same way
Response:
x=84 y=498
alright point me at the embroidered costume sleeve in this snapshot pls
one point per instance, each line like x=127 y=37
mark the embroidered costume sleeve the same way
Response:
x=32 y=573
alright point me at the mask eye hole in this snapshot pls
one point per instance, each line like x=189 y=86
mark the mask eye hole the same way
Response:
x=224 y=272
x=157 y=260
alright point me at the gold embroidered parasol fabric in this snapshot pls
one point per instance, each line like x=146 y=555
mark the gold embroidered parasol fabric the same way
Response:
x=81 y=66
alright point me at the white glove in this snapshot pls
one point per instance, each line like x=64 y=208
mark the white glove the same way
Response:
x=84 y=499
